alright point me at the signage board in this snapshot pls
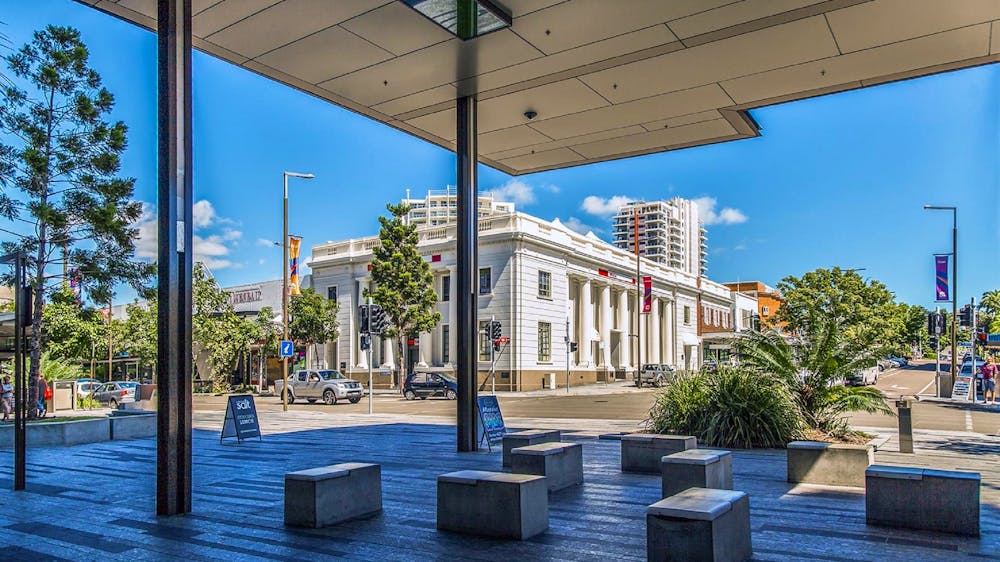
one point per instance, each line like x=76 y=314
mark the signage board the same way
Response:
x=491 y=420
x=241 y=418
x=960 y=391
x=287 y=348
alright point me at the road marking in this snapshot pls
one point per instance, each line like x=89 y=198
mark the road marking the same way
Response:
x=968 y=421
x=926 y=387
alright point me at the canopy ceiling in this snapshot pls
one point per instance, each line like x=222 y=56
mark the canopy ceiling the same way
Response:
x=606 y=78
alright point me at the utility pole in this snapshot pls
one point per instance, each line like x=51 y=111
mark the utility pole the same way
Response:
x=638 y=303
x=567 y=355
x=493 y=360
x=371 y=389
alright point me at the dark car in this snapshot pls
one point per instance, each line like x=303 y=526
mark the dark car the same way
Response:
x=422 y=385
x=115 y=392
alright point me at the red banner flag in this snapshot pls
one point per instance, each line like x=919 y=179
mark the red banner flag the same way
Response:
x=647 y=294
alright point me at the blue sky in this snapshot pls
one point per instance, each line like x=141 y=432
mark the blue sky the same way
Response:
x=836 y=180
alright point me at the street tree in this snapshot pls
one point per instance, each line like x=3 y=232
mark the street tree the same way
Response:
x=864 y=311
x=404 y=284
x=63 y=162
x=989 y=307
x=220 y=336
x=71 y=331
x=313 y=319
x=138 y=334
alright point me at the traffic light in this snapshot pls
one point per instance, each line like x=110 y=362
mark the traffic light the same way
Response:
x=366 y=342
x=572 y=347
x=981 y=337
x=378 y=319
x=365 y=318
x=933 y=342
x=495 y=330
x=965 y=316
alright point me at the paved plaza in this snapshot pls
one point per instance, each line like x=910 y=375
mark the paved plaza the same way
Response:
x=93 y=502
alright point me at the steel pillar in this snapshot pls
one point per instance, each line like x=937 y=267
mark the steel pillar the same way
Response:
x=467 y=234
x=174 y=206
x=21 y=407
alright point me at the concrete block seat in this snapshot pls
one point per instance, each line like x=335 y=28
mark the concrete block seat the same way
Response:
x=696 y=468
x=560 y=463
x=324 y=496
x=525 y=438
x=699 y=524
x=494 y=504
x=921 y=498
x=832 y=464
x=642 y=452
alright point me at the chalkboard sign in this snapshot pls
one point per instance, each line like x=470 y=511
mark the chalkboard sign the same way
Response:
x=960 y=391
x=241 y=418
x=491 y=420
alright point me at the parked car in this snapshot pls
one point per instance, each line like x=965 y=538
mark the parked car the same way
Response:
x=115 y=392
x=900 y=360
x=865 y=376
x=86 y=388
x=655 y=374
x=422 y=385
x=326 y=384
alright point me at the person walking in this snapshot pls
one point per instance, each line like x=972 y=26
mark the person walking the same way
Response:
x=41 y=389
x=989 y=371
x=6 y=398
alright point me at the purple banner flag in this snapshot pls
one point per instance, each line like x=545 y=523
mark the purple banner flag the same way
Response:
x=941 y=278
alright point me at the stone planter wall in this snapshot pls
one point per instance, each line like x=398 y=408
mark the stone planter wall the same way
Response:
x=77 y=432
x=133 y=426
x=832 y=464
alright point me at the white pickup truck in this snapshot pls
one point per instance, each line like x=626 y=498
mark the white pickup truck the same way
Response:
x=324 y=384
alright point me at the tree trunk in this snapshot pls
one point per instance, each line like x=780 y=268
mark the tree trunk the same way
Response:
x=402 y=362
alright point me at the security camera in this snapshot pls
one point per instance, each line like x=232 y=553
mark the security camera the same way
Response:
x=530 y=114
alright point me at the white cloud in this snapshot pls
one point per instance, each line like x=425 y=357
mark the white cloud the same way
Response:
x=516 y=191
x=261 y=261
x=604 y=207
x=577 y=225
x=708 y=214
x=267 y=243
x=212 y=250
x=203 y=213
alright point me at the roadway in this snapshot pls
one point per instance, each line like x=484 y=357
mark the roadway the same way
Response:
x=620 y=401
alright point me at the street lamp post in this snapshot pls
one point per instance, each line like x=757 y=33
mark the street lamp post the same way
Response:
x=954 y=281
x=284 y=283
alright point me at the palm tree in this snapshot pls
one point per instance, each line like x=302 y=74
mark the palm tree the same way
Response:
x=814 y=368
x=990 y=305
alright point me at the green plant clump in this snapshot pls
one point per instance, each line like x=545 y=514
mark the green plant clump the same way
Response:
x=730 y=408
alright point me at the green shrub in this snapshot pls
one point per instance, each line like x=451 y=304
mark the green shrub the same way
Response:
x=730 y=408
x=87 y=403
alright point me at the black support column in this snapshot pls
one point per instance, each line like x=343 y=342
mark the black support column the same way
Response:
x=467 y=366
x=173 y=362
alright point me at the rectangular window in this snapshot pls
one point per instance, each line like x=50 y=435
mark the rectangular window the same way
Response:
x=687 y=314
x=764 y=311
x=445 y=345
x=544 y=284
x=331 y=293
x=544 y=342
x=485 y=281
x=485 y=345
x=445 y=288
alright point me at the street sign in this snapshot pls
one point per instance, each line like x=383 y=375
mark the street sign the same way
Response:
x=287 y=348
x=492 y=427
x=241 y=418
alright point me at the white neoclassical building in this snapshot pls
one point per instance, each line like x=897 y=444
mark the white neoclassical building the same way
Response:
x=547 y=285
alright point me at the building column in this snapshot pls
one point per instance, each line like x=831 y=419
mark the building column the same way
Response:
x=606 y=326
x=452 y=315
x=623 y=323
x=669 y=331
x=467 y=255
x=388 y=360
x=570 y=315
x=586 y=325
x=654 y=343
x=355 y=333
x=424 y=349
x=174 y=258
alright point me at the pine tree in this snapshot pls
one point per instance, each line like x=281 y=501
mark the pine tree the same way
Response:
x=63 y=165
x=404 y=284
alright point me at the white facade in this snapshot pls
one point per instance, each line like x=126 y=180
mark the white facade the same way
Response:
x=440 y=207
x=545 y=283
x=670 y=233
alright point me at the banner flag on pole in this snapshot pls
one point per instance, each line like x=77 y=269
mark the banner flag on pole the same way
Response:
x=941 y=278
x=647 y=294
x=293 y=265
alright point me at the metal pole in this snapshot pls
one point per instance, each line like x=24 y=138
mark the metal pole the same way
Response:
x=638 y=304
x=371 y=387
x=174 y=258
x=20 y=388
x=937 y=357
x=284 y=291
x=467 y=234
x=567 y=356
x=954 y=294
x=110 y=366
x=493 y=362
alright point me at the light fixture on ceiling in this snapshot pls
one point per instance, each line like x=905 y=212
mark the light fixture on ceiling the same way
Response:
x=530 y=114
x=465 y=19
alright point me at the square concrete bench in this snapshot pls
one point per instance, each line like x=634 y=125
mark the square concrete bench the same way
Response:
x=642 y=452
x=832 y=464
x=699 y=524
x=324 y=496
x=923 y=499
x=525 y=438
x=560 y=463
x=697 y=468
x=494 y=504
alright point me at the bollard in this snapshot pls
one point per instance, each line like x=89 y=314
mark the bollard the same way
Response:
x=904 y=413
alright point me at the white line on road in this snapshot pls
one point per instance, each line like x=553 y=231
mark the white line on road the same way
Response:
x=926 y=387
x=968 y=420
